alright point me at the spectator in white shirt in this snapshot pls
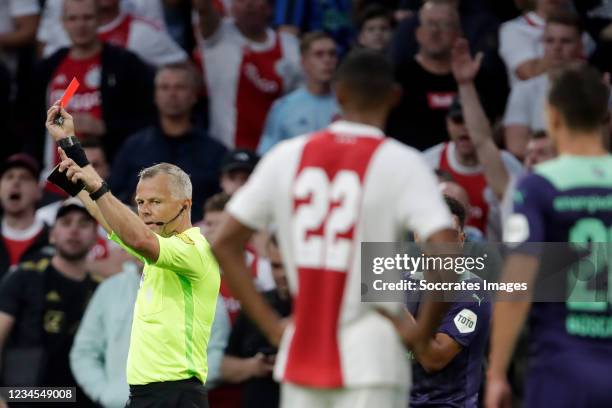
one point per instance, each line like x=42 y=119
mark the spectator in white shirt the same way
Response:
x=520 y=41
x=525 y=110
x=150 y=42
x=247 y=66
x=18 y=24
x=51 y=35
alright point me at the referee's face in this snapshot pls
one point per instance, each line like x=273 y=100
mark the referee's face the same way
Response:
x=156 y=203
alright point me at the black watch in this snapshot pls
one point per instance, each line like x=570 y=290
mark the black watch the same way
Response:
x=99 y=192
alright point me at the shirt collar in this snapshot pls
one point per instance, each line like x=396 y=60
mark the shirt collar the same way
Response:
x=355 y=129
x=533 y=19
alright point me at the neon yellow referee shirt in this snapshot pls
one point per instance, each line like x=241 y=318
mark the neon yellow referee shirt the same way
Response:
x=174 y=310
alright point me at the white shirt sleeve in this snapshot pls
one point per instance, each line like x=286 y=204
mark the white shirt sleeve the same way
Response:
x=253 y=204
x=264 y=280
x=50 y=17
x=50 y=30
x=154 y=46
x=151 y=10
x=433 y=155
x=20 y=8
x=421 y=207
x=519 y=108
x=291 y=68
x=515 y=46
x=514 y=167
x=225 y=31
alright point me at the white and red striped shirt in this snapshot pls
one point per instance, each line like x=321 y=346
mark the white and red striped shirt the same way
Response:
x=326 y=193
x=244 y=78
x=146 y=39
x=51 y=32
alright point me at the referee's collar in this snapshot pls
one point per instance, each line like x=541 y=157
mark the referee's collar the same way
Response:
x=355 y=129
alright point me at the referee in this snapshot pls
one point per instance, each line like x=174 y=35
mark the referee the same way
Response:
x=176 y=301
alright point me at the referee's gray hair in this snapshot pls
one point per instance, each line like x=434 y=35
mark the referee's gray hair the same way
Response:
x=180 y=184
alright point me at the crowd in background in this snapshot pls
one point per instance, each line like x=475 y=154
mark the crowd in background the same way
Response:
x=211 y=86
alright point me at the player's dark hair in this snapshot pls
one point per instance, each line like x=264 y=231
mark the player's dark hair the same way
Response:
x=578 y=92
x=566 y=18
x=368 y=76
x=216 y=202
x=371 y=12
x=457 y=209
x=309 y=38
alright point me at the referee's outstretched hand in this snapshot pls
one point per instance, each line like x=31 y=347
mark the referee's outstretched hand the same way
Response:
x=59 y=129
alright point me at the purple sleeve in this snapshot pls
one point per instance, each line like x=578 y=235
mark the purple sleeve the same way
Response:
x=465 y=321
x=532 y=200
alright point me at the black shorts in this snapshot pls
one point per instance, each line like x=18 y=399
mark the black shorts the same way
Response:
x=171 y=394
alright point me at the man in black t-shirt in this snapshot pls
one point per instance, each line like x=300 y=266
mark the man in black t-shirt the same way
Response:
x=249 y=358
x=428 y=84
x=429 y=87
x=41 y=305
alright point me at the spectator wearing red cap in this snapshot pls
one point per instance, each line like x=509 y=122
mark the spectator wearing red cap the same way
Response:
x=21 y=233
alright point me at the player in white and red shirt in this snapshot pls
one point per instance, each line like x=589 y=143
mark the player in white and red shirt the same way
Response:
x=247 y=66
x=326 y=193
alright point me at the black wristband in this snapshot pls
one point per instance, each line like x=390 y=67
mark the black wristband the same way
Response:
x=99 y=192
x=68 y=141
x=72 y=147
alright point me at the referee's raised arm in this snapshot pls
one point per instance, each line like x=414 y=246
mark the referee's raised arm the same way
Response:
x=175 y=306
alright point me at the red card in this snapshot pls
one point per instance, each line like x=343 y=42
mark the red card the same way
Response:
x=69 y=93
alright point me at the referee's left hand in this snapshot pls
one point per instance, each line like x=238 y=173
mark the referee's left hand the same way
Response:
x=74 y=173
